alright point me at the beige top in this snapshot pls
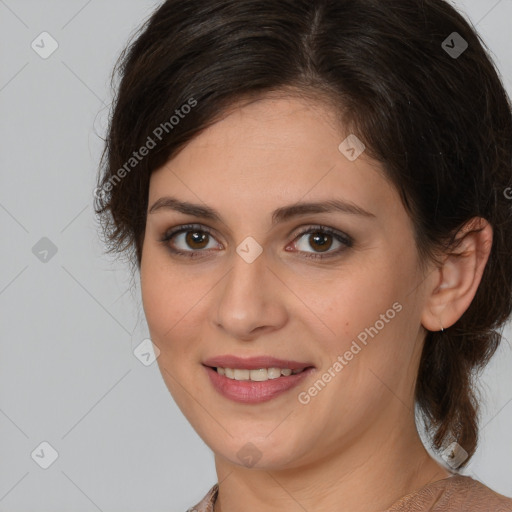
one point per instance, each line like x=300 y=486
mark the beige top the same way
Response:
x=457 y=493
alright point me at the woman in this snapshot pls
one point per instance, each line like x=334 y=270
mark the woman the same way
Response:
x=315 y=194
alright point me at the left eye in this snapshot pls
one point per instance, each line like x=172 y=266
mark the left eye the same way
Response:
x=321 y=240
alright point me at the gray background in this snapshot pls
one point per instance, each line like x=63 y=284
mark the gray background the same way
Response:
x=68 y=375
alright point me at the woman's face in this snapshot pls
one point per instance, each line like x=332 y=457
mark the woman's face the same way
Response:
x=338 y=291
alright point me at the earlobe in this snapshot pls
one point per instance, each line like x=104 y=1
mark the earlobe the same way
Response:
x=458 y=277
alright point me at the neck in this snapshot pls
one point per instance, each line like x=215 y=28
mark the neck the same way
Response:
x=380 y=466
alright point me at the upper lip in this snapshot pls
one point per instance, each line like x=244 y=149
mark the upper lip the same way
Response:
x=254 y=363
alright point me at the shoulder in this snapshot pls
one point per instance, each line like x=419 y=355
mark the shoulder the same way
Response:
x=451 y=494
x=482 y=497
x=206 y=504
x=454 y=494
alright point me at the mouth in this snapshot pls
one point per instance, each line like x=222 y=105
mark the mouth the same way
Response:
x=256 y=368
x=255 y=379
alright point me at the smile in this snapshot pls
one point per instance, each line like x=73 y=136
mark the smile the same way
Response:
x=238 y=385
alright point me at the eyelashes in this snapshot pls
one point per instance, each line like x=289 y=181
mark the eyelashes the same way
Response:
x=197 y=234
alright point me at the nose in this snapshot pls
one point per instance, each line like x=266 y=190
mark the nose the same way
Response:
x=251 y=300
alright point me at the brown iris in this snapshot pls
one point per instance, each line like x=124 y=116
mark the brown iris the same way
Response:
x=320 y=241
x=196 y=237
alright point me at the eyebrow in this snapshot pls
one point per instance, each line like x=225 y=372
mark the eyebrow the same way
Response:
x=281 y=214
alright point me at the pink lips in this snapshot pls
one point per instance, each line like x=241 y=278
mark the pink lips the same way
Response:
x=252 y=392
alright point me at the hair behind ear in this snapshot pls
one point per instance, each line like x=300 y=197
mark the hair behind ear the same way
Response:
x=445 y=389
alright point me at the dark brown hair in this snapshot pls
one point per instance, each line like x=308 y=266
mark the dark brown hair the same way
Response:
x=433 y=112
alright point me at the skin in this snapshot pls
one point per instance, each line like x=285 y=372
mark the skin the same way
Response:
x=354 y=447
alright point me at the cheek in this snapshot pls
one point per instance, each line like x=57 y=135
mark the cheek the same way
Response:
x=172 y=305
x=366 y=316
x=353 y=300
x=173 y=313
x=152 y=292
x=160 y=297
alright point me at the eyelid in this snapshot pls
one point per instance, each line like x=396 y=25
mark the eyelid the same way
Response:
x=327 y=230
x=186 y=227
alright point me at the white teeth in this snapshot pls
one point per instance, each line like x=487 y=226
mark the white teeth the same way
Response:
x=259 y=375
x=242 y=374
x=274 y=373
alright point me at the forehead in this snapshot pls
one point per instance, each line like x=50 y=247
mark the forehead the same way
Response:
x=271 y=152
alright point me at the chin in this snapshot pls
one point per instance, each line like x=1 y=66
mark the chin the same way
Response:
x=257 y=451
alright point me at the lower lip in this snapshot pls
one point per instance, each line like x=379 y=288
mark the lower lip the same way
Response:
x=253 y=392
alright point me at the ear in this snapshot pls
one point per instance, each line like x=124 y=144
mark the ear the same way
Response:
x=456 y=281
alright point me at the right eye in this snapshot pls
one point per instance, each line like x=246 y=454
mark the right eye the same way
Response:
x=188 y=240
